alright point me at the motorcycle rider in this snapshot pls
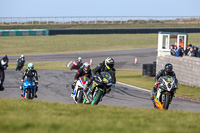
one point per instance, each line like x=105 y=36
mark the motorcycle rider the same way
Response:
x=2 y=77
x=77 y=64
x=106 y=66
x=22 y=58
x=4 y=61
x=83 y=71
x=167 y=71
x=30 y=72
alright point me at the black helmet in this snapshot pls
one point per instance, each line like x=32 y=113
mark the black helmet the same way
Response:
x=168 y=67
x=109 y=62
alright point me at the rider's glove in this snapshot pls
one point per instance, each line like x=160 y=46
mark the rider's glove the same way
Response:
x=22 y=80
x=36 y=82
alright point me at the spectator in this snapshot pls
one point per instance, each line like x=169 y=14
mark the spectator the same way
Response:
x=181 y=43
x=176 y=50
x=187 y=49
x=183 y=52
x=172 y=50
x=191 y=52
x=195 y=51
x=180 y=53
x=199 y=53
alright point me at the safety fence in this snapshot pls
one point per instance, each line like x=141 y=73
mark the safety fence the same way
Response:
x=69 y=20
x=24 y=32
x=45 y=32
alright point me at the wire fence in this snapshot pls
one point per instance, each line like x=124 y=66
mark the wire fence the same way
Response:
x=73 y=20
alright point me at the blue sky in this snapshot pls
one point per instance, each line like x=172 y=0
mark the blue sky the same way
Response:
x=55 y=8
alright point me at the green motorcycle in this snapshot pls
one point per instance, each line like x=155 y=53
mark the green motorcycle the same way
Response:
x=100 y=86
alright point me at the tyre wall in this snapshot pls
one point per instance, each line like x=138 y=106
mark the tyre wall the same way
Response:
x=187 y=68
x=121 y=31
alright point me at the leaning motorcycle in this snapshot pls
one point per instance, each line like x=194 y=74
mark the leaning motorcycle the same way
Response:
x=78 y=89
x=20 y=65
x=166 y=89
x=101 y=85
x=29 y=88
x=4 y=64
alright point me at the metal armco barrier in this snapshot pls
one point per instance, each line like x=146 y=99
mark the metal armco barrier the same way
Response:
x=24 y=32
x=121 y=31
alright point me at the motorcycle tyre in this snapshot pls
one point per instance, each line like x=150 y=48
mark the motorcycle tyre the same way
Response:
x=80 y=98
x=167 y=101
x=100 y=94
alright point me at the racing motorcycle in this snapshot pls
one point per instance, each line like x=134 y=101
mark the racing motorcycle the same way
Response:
x=29 y=88
x=78 y=89
x=101 y=85
x=20 y=65
x=165 y=92
x=4 y=64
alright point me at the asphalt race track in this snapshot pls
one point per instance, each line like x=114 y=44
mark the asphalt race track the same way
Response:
x=55 y=85
x=123 y=58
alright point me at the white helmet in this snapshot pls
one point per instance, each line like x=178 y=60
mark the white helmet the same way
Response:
x=86 y=67
x=22 y=56
x=79 y=59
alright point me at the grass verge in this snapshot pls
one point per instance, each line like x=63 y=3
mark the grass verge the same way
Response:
x=19 y=115
x=129 y=76
x=17 y=45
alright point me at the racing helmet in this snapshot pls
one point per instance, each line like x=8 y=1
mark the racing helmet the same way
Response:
x=5 y=57
x=22 y=56
x=168 y=67
x=79 y=59
x=30 y=66
x=109 y=62
x=86 y=67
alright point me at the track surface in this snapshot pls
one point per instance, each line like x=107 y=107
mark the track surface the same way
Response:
x=123 y=58
x=55 y=85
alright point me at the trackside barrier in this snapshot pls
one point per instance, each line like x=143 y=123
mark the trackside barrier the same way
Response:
x=122 y=31
x=24 y=32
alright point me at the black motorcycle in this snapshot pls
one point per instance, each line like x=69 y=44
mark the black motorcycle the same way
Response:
x=20 y=65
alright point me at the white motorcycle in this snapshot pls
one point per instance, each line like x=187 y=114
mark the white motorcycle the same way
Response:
x=78 y=89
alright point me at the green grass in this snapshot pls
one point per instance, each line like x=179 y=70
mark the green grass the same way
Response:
x=22 y=116
x=16 y=45
x=88 y=26
x=74 y=43
x=43 y=65
x=134 y=77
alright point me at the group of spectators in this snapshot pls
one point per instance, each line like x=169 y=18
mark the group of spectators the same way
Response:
x=190 y=50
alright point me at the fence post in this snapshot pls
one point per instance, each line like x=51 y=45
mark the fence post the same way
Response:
x=96 y=21
x=55 y=21
x=87 y=19
x=18 y=21
x=10 y=20
x=47 y=20
x=70 y=20
x=104 y=19
x=112 y=20
x=79 y=20
x=63 y=21
x=121 y=20
x=3 y=21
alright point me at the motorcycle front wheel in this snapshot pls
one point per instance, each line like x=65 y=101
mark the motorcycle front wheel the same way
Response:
x=97 y=97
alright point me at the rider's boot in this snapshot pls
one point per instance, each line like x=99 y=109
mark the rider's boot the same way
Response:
x=35 y=92
x=153 y=92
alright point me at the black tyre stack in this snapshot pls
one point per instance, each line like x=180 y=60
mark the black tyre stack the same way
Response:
x=149 y=70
